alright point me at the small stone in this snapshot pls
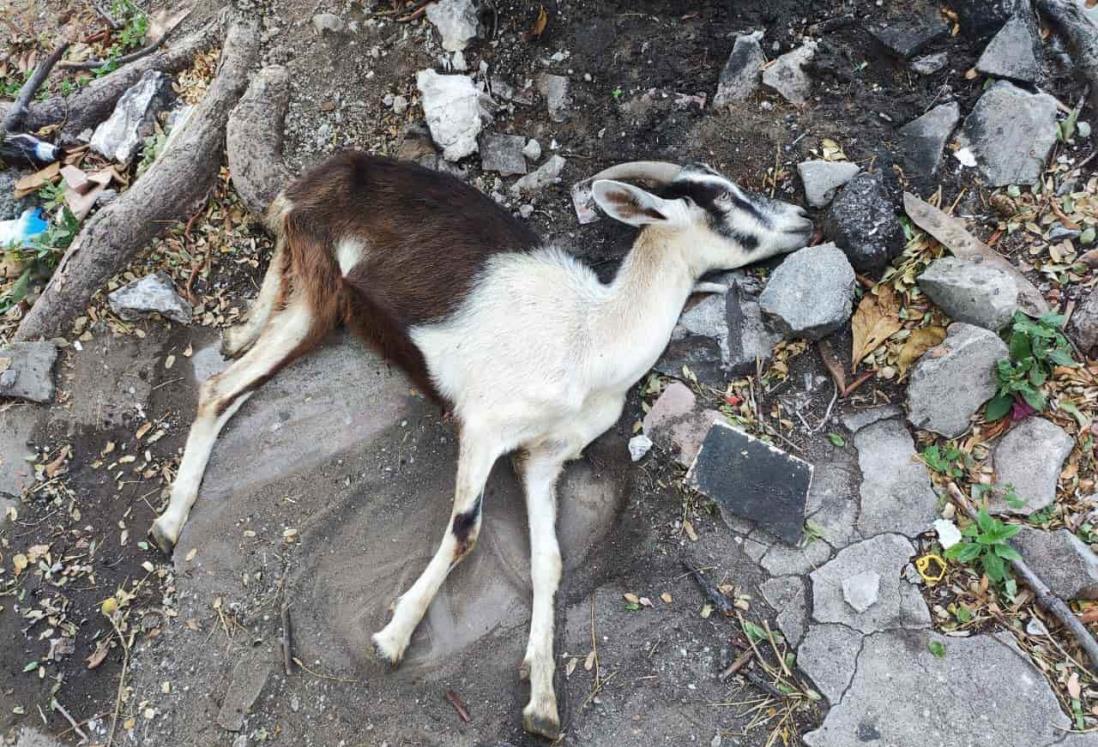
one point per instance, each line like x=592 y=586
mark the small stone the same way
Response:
x=929 y=64
x=1083 y=325
x=327 y=23
x=1082 y=128
x=979 y=294
x=1011 y=133
x=910 y=34
x=896 y=495
x=863 y=223
x=753 y=480
x=740 y=75
x=502 y=153
x=151 y=294
x=526 y=210
x=1011 y=53
x=1029 y=458
x=455 y=21
x=639 y=446
x=1036 y=627
x=952 y=380
x=1063 y=561
x=948 y=533
x=541 y=177
x=123 y=134
x=786 y=74
x=810 y=293
x=555 y=89
x=828 y=654
x=400 y=104
x=862 y=590
x=451 y=104
x=532 y=150
x=26 y=372
x=832 y=506
x=924 y=139
x=822 y=179
x=858 y=419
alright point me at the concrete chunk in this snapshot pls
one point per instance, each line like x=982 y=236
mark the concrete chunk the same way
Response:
x=26 y=371
x=1010 y=54
x=740 y=75
x=822 y=179
x=1011 y=132
x=810 y=293
x=979 y=294
x=151 y=294
x=786 y=74
x=1029 y=458
x=1061 y=560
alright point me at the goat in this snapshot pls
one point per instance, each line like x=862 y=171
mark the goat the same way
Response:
x=530 y=352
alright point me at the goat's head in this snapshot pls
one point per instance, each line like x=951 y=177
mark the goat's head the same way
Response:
x=721 y=225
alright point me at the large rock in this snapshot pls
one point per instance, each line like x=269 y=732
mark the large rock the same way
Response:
x=982 y=18
x=863 y=224
x=895 y=491
x=950 y=381
x=910 y=33
x=822 y=179
x=1011 y=132
x=1083 y=325
x=451 y=105
x=1011 y=53
x=810 y=293
x=133 y=119
x=787 y=76
x=151 y=294
x=924 y=139
x=26 y=371
x=455 y=21
x=828 y=654
x=982 y=691
x=740 y=75
x=1029 y=457
x=898 y=603
x=1061 y=560
x=980 y=294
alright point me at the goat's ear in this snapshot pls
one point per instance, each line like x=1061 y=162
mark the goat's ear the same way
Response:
x=629 y=204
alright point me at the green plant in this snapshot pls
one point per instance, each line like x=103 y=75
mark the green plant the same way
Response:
x=984 y=492
x=153 y=146
x=52 y=196
x=946 y=460
x=135 y=25
x=41 y=256
x=1036 y=347
x=836 y=440
x=987 y=541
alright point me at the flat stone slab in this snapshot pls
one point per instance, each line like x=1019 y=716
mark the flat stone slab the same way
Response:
x=753 y=480
x=783 y=560
x=674 y=424
x=829 y=654
x=952 y=380
x=1011 y=133
x=26 y=371
x=16 y=426
x=832 y=505
x=502 y=153
x=970 y=292
x=983 y=691
x=810 y=293
x=910 y=34
x=1010 y=54
x=1030 y=457
x=898 y=603
x=923 y=139
x=1061 y=560
x=896 y=495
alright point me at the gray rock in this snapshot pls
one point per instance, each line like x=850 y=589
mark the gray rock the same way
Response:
x=924 y=139
x=740 y=75
x=828 y=654
x=502 y=153
x=752 y=480
x=327 y=23
x=451 y=104
x=555 y=89
x=896 y=495
x=151 y=294
x=639 y=446
x=822 y=179
x=532 y=150
x=898 y=603
x=675 y=425
x=1030 y=457
x=133 y=119
x=1010 y=54
x=782 y=560
x=855 y=420
x=31 y=737
x=1011 y=132
x=750 y=341
x=810 y=293
x=950 y=381
x=863 y=224
x=982 y=18
x=455 y=21
x=902 y=694
x=1061 y=560
x=1083 y=325
x=930 y=64
x=249 y=676
x=862 y=590
x=910 y=33
x=26 y=371
x=541 y=177
x=786 y=597
x=970 y=292
x=786 y=74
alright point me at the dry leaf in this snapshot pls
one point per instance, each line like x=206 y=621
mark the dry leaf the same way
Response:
x=831 y=150
x=19 y=562
x=1073 y=688
x=689 y=529
x=921 y=340
x=876 y=319
x=34 y=182
x=571 y=666
x=589 y=662
x=630 y=597
x=540 y=24
x=666 y=598
x=99 y=654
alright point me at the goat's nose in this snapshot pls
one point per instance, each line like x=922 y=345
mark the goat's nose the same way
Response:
x=801 y=212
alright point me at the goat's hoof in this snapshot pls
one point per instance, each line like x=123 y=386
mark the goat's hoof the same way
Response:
x=386 y=650
x=542 y=719
x=161 y=538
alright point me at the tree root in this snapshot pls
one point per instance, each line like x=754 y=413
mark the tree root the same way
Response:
x=167 y=193
x=253 y=139
x=1081 y=34
x=13 y=118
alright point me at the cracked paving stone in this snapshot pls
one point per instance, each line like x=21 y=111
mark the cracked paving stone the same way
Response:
x=786 y=595
x=782 y=560
x=982 y=691
x=828 y=654
x=896 y=492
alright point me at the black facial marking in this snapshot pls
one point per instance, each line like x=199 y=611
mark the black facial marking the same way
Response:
x=705 y=195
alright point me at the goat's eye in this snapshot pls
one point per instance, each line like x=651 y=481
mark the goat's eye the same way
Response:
x=724 y=199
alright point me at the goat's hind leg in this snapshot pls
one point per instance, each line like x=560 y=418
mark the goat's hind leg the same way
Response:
x=238 y=339
x=288 y=334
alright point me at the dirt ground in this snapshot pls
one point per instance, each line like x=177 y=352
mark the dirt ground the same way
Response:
x=294 y=515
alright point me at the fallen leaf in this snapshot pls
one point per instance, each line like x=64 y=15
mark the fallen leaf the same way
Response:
x=34 y=182
x=666 y=598
x=876 y=319
x=921 y=340
x=540 y=24
x=19 y=563
x=589 y=662
x=99 y=654
x=630 y=597
x=689 y=529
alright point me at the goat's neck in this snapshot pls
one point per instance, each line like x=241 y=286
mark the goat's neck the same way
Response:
x=644 y=303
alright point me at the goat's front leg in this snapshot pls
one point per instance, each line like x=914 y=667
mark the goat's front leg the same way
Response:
x=475 y=461
x=539 y=472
